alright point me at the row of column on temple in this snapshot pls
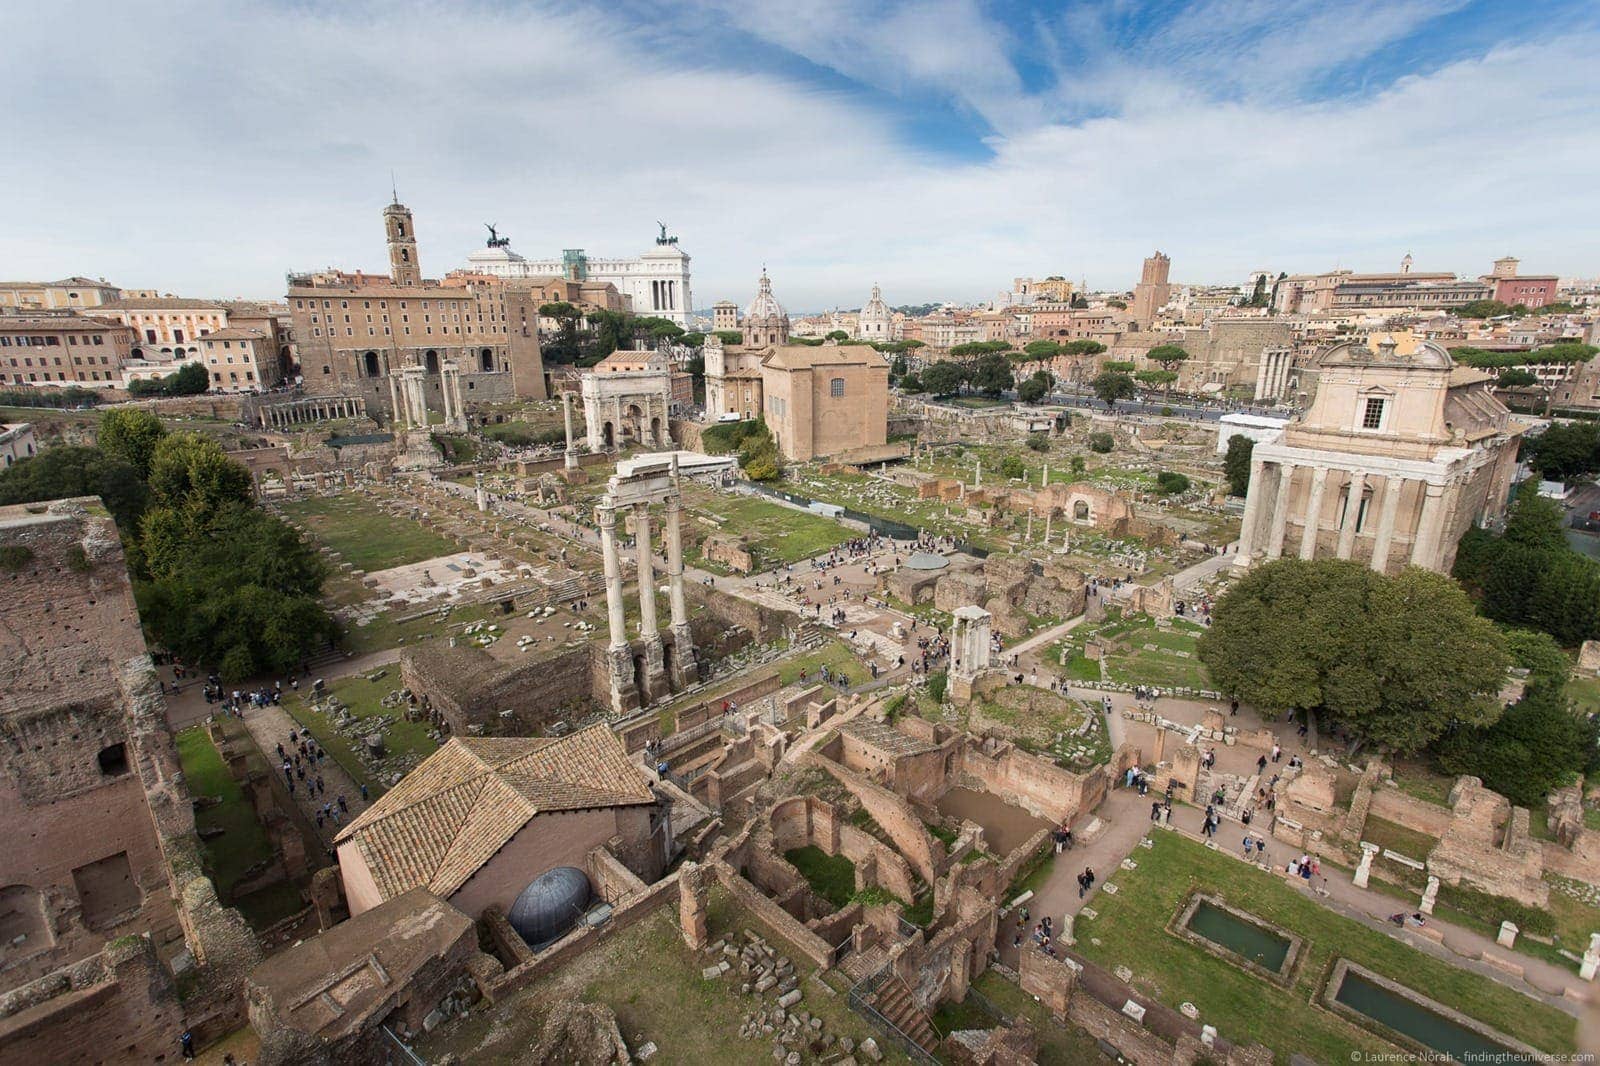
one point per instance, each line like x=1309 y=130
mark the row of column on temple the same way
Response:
x=657 y=677
x=408 y=396
x=315 y=409
x=1368 y=507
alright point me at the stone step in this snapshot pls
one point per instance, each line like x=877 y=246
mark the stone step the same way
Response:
x=896 y=1003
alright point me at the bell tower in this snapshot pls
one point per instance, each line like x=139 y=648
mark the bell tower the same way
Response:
x=402 y=237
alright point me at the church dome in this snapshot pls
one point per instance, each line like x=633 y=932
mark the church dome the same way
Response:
x=765 y=305
x=550 y=905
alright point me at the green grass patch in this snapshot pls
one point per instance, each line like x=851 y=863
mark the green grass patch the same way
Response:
x=833 y=877
x=406 y=742
x=920 y=913
x=364 y=536
x=1408 y=842
x=1584 y=692
x=779 y=534
x=1421 y=782
x=1130 y=930
x=243 y=842
x=951 y=1016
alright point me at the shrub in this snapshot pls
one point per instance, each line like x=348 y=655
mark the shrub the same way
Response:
x=1170 y=483
x=1101 y=442
x=15 y=556
x=1012 y=467
x=937 y=684
x=1038 y=442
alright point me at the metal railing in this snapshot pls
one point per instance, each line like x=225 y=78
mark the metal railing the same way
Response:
x=860 y=1001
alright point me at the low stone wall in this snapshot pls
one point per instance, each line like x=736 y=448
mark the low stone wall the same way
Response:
x=1040 y=787
x=897 y=818
x=1395 y=806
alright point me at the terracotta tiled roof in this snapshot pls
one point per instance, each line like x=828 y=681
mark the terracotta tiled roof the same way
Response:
x=449 y=816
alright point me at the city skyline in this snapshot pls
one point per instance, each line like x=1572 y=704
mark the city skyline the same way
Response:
x=938 y=151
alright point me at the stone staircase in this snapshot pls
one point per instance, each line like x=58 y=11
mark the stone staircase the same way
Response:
x=858 y=966
x=895 y=1002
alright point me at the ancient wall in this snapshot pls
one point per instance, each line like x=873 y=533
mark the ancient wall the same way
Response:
x=471 y=688
x=116 y=1005
x=1037 y=785
x=775 y=918
x=895 y=816
x=1395 y=806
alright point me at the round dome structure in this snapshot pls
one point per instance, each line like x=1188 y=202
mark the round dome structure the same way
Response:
x=765 y=322
x=926 y=561
x=550 y=905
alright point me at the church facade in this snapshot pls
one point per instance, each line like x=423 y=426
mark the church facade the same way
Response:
x=1396 y=457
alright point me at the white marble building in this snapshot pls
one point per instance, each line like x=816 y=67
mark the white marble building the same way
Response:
x=876 y=321
x=656 y=281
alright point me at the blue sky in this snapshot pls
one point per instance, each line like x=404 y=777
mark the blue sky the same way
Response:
x=938 y=148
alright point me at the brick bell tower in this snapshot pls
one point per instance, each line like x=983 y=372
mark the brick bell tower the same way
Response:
x=402 y=236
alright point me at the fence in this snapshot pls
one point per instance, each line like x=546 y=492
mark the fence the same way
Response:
x=860 y=1000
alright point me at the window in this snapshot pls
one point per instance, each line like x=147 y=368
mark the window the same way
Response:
x=836 y=387
x=1372 y=415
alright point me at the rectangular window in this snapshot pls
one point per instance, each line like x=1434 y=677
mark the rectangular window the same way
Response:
x=1372 y=416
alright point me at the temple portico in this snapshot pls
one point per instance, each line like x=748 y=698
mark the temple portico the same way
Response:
x=654 y=671
x=971 y=645
x=286 y=414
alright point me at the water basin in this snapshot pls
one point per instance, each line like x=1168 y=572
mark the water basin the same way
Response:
x=1420 y=1019
x=1252 y=942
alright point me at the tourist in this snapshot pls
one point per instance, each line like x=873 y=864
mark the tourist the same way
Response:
x=1248 y=844
x=1155 y=811
x=1277 y=752
x=186 y=1043
x=1261 y=765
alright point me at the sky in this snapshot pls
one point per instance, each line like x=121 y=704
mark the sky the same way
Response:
x=938 y=148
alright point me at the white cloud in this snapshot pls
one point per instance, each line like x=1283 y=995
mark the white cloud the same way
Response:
x=211 y=152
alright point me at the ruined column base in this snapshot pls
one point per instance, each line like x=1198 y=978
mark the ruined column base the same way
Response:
x=685 y=671
x=619 y=668
x=655 y=670
x=959 y=688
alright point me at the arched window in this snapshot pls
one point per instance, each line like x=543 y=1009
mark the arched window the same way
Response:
x=486 y=360
x=430 y=359
x=836 y=387
x=371 y=361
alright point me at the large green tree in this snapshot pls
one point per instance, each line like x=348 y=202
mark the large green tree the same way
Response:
x=1236 y=464
x=991 y=375
x=1529 y=576
x=1538 y=744
x=130 y=435
x=1395 y=660
x=72 y=470
x=943 y=378
x=1111 y=386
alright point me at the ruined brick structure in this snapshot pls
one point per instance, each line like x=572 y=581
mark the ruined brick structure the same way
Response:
x=101 y=855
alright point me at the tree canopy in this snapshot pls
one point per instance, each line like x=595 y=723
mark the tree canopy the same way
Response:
x=991 y=375
x=943 y=378
x=190 y=379
x=130 y=435
x=74 y=470
x=1035 y=388
x=1111 y=386
x=1565 y=450
x=1395 y=660
x=1236 y=464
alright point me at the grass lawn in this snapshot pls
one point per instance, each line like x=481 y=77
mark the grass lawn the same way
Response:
x=1141 y=653
x=652 y=981
x=1418 y=779
x=1130 y=930
x=363 y=535
x=1407 y=842
x=833 y=877
x=243 y=842
x=1584 y=692
x=388 y=631
x=408 y=742
x=780 y=534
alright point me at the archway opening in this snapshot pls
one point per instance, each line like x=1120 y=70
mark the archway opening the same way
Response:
x=370 y=364
x=610 y=435
x=486 y=361
x=430 y=360
x=1080 y=510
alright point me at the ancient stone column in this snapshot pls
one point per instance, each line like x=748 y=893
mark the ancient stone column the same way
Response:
x=654 y=659
x=483 y=497
x=682 y=642
x=1392 y=487
x=572 y=448
x=1425 y=547
x=619 y=660
x=1254 y=504
x=1429 y=895
x=1280 y=511
x=1364 y=870
x=1352 y=514
x=1591 y=958
x=1313 y=520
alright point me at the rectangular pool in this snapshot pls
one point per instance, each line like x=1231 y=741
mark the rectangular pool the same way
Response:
x=1252 y=942
x=1410 y=1016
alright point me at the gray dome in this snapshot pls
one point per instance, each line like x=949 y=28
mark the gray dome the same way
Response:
x=550 y=905
x=926 y=561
